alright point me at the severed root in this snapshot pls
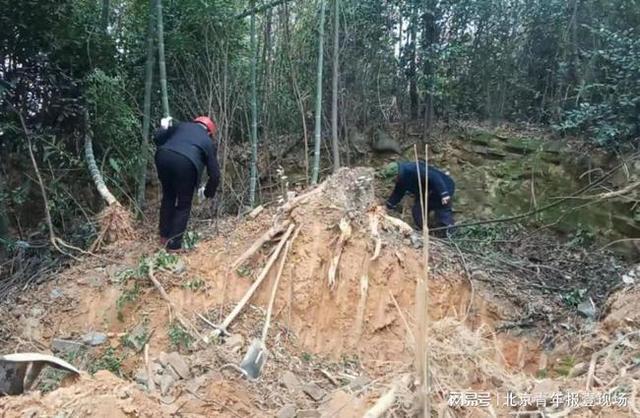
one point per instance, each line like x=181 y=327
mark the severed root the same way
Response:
x=266 y=237
x=345 y=234
x=188 y=326
x=404 y=227
x=374 y=222
x=364 y=289
x=115 y=224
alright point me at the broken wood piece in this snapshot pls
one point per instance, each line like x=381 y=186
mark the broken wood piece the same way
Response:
x=387 y=400
x=266 y=237
x=345 y=234
x=254 y=213
x=292 y=203
x=265 y=271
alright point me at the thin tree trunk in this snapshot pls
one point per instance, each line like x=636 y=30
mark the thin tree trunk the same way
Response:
x=96 y=176
x=4 y=224
x=318 y=132
x=146 y=118
x=161 y=59
x=334 y=89
x=104 y=18
x=413 y=88
x=254 y=112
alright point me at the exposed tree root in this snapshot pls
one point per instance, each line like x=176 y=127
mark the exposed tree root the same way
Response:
x=345 y=234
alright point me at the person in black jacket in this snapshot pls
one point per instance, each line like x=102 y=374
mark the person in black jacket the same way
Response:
x=440 y=191
x=183 y=150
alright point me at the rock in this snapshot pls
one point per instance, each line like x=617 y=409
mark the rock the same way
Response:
x=179 y=267
x=234 y=342
x=358 y=383
x=314 y=391
x=178 y=364
x=137 y=337
x=66 y=346
x=94 y=338
x=287 y=411
x=290 y=381
x=341 y=404
x=166 y=382
x=358 y=141
x=56 y=293
x=383 y=142
x=588 y=309
x=416 y=240
x=141 y=377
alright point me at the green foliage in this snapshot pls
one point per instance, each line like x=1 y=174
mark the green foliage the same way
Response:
x=574 y=297
x=190 y=240
x=565 y=365
x=180 y=339
x=194 y=284
x=109 y=360
x=128 y=296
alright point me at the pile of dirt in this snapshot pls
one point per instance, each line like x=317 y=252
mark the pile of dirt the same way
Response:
x=341 y=334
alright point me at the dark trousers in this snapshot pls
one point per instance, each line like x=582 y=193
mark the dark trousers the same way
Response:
x=444 y=214
x=179 y=178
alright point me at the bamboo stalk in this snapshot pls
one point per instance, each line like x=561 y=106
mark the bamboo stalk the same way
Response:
x=146 y=118
x=162 y=62
x=253 y=179
x=318 y=131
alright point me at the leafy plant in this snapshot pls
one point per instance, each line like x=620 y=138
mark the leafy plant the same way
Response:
x=110 y=360
x=194 y=284
x=128 y=295
x=190 y=240
x=179 y=337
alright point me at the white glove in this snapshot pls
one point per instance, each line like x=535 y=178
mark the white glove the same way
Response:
x=166 y=122
x=201 y=194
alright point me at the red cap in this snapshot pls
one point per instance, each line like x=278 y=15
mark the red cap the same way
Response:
x=206 y=121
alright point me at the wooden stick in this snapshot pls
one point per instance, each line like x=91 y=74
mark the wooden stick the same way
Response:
x=267 y=236
x=150 y=384
x=274 y=289
x=257 y=282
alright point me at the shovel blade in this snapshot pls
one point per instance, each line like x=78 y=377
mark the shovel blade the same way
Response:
x=254 y=360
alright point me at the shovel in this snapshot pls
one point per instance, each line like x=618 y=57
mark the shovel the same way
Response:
x=257 y=353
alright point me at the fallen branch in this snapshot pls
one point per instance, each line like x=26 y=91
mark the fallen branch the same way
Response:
x=345 y=234
x=266 y=237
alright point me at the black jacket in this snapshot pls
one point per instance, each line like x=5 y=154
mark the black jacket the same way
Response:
x=192 y=141
x=440 y=184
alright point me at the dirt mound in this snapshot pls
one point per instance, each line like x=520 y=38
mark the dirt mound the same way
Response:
x=341 y=334
x=100 y=396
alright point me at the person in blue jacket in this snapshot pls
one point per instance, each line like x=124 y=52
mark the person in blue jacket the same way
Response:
x=440 y=191
x=183 y=151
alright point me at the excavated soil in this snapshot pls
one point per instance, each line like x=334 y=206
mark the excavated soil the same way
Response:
x=333 y=350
